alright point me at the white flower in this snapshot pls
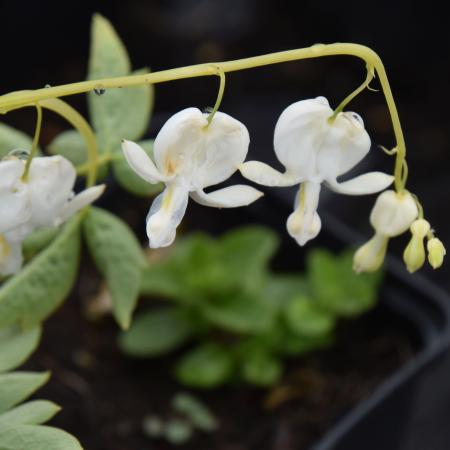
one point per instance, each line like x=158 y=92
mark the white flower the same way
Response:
x=414 y=254
x=392 y=214
x=191 y=155
x=315 y=150
x=44 y=199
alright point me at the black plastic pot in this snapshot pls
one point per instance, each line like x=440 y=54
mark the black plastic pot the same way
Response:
x=410 y=410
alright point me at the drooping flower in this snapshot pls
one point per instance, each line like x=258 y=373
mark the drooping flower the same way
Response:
x=436 y=252
x=414 y=254
x=189 y=156
x=392 y=215
x=316 y=149
x=44 y=199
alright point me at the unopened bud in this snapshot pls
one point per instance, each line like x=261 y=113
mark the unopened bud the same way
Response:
x=414 y=254
x=436 y=252
x=370 y=256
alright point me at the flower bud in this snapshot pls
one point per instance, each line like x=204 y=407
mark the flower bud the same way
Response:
x=436 y=252
x=370 y=256
x=414 y=254
x=393 y=213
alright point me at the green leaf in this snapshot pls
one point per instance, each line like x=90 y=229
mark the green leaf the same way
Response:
x=160 y=279
x=17 y=386
x=36 y=291
x=240 y=313
x=336 y=287
x=38 y=240
x=16 y=345
x=305 y=318
x=206 y=366
x=11 y=139
x=36 y=437
x=198 y=414
x=280 y=289
x=156 y=332
x=295 y=345
x=119 y=257
x=178 y=431
x=30 y=413
x=261 y=368
x=117 y=113
x=247 y=250
x=71 y=145
x=128 y=179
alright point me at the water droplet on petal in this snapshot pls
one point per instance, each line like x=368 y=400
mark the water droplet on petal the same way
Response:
x=99 y=90
x=18 y=153
x=47 y=86
x=208 y=110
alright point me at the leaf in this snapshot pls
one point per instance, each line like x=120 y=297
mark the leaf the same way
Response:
x=295 y=345
x=240 y=313
x=30 y=413
x=178 y=431
x=117 y=113
x=36 y=437
x=198 y=414
x=17 y=386
x=36 y=291
x=160 y=279
x=71 y=145
x=247 y=250
x=206 y=366
x=336 y=287
x=38 y=240
x=16 y=345
x=280 y=289
x=128 y=179
x=305 y=318
x=11 y=139
x=119 y=257
x=261 y=368
x=156 y=332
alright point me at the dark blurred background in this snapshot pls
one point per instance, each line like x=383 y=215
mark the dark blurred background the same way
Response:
x=47 y=42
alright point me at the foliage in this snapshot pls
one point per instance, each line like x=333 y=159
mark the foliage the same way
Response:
x=243 y=319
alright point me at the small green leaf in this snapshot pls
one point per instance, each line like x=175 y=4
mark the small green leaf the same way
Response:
x=36 y=291
x=156 y=332
x=117 y=113
x=38 y=240
x=16 y=345
x=336 y=287
x=128 y=179
x=35 y=412
x=17 y=386
x=160 y=279
x=295 y=345
x=207 y=366
x=36 y=437
x=71 y=145
x=198 y=414
x=247 y=250
x=305 y=318
x=178 y=431
x=240 y=313
x=280 y=289
x=11 y=139
x=119 y=257
x=261 y=368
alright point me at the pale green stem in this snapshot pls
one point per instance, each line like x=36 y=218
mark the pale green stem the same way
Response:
x=35 y=143
x=19 y=99
x=219 y=96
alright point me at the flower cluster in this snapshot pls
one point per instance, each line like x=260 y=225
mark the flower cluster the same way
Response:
x=314 y=144
x=44 y=198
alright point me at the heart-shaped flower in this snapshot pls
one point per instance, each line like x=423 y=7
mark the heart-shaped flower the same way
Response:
x=189 y=156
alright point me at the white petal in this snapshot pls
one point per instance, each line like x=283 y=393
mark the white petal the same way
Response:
x=10 y=256
x=393 y=213
x=368 y=183
x=141 y=163
x=14 y=203
x=80 y=200
x=299 y=134
x=304 y=223
x=262 y=173
x=229 y=197
x=178 y=140
x=165 y=215
x=51 y=181
x=223 y=148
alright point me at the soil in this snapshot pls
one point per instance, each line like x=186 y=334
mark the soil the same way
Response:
x=105 y=395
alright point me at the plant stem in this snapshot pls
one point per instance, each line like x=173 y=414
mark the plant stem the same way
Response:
x=35 y=142
x=18 y=99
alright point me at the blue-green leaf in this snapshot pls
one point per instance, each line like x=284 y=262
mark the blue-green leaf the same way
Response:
x=35 y=412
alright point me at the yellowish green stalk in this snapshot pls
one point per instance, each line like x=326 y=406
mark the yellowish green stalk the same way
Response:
x=19 y=99
x=35 y=142
x=219 y=96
